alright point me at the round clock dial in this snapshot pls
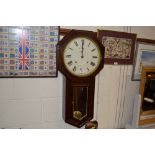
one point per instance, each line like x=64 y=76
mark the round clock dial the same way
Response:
x=81 y=56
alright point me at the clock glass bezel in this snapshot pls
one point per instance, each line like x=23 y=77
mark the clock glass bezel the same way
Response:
x=98 y=60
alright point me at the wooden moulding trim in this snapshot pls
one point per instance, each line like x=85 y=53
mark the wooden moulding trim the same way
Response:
x=146 y=121
x=143 y=40
x=64 y=31
x=148 y=112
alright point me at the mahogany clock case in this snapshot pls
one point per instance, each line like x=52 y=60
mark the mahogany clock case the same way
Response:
x=79 y=91
x=71 y=87
x=61 y=47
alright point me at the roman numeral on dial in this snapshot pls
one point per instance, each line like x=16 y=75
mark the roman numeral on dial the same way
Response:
x=93 y=49
x=75 y=42
x=70 y=48
x=70 y=63
x=82 y=41
x=68 y=56
x=74 y=69
x=92 y=63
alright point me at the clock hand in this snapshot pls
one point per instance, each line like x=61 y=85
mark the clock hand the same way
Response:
x=82 y=49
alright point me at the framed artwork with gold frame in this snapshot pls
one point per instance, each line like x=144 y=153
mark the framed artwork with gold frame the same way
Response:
x=147 y=92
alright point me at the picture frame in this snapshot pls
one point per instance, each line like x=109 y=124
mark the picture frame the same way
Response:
x=146 y=90
x=119 y=46
x=28 y=51
x=144 y=56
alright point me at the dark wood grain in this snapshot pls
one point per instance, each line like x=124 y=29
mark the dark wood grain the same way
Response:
x=143 y=40
x=64 y=31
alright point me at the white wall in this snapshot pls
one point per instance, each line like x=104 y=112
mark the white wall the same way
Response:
x=37 y=102
x=31 y=103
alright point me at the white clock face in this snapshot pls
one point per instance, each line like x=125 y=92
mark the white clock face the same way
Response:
x=81 y=56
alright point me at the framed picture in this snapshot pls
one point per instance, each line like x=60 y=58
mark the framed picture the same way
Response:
x=28 y=51
x=147 y=92
x=145 y=56
x=119 y=46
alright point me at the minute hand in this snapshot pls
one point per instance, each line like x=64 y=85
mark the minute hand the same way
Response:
x=82 y=49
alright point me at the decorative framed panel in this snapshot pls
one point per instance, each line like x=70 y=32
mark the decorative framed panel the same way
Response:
x=119 y=46
x=145 y=56
x=28 y=51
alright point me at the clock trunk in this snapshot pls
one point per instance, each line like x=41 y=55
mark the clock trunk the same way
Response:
x=79 y=105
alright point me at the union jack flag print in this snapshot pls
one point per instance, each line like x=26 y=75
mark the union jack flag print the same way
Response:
x=28 y=51
x=24 y=52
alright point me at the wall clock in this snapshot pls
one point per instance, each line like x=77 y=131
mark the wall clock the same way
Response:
x=80 y=57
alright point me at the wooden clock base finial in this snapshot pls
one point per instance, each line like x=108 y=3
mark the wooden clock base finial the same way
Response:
x=91 y=125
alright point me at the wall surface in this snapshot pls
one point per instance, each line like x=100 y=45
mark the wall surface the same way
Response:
x=37 y=102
